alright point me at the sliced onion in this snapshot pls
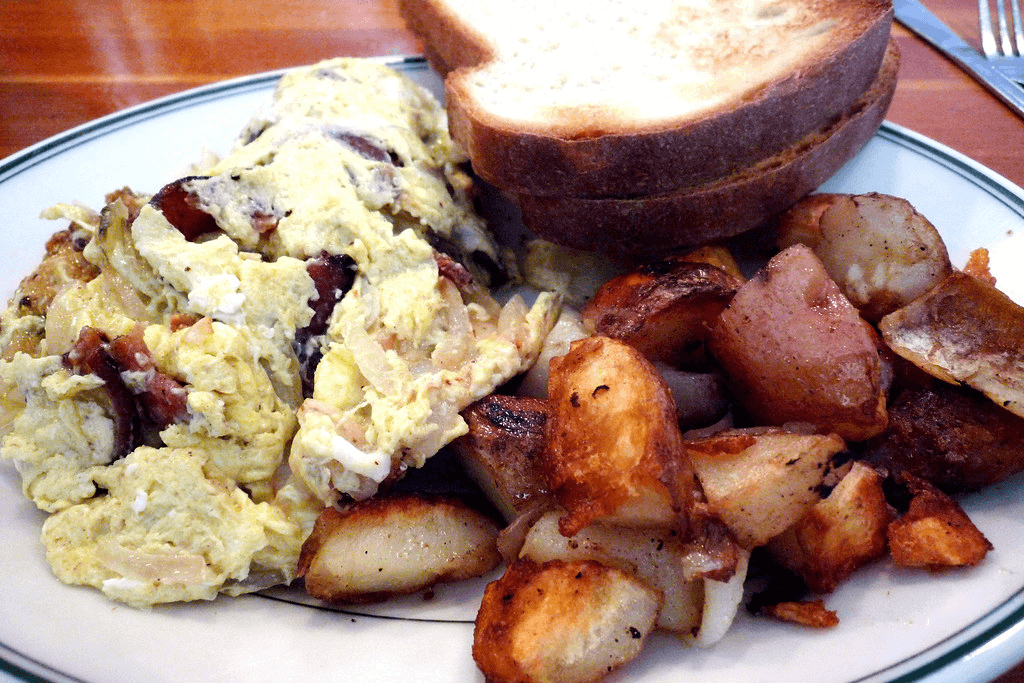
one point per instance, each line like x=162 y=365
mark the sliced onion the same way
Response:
x=199 y=331
x=458 y=347
x=59 y=328
x=567 y=329
x=444 y=418
x=371 y=359
x=171 y=567
x=512 y=320
x=124 y=293
x=313 y=406
x=721 y=602
x=704 y=432
x=512 y=538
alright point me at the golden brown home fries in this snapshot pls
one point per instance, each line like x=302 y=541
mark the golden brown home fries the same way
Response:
x=817 y=466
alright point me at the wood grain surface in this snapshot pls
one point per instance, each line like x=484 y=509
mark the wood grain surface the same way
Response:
x=66 y=62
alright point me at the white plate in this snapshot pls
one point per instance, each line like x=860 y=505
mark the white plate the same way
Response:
x=895 y=625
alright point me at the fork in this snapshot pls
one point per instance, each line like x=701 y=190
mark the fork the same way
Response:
x=1003 y=48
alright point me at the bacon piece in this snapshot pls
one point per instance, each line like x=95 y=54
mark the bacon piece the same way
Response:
x=89 y=356
x=131 y=352
x=180 y=321
x=181 y=209
x=333 y=275
x=164 y=399
x=453 y=270
x=263 y=223
x=366 y=148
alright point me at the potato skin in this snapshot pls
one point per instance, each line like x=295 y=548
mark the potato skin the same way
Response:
x=964 y=331
x=663 y=308
x=795 y=350
x=881 y=252
x=501 y=451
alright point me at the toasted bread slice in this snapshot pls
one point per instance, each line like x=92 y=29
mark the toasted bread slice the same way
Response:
x=651 y=225
x=614 y=98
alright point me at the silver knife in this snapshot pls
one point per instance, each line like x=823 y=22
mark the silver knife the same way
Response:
x=918 y=19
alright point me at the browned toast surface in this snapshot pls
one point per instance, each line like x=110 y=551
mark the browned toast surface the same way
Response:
x=622 y=98
x=740 y=202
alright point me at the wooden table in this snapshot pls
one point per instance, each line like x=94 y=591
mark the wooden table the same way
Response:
x=65 y=62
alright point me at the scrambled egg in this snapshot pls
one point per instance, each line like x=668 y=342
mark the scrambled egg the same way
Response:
x=189 y=378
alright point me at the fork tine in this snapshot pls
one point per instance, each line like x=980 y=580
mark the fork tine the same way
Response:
x=1018 y=28
x=988 y=38
x=1004 y=28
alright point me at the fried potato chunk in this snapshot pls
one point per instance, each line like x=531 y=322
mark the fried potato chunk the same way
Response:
x=841 y=533
x=613 y=440
x=62 y=266
x=964 y=331
x=977 y=266
x=395 y=545
x=561 y=622
x=795 y=350
x=935 y=532
x=761 y=482
x=663 y=308
x=881 y=252
x=501 y=451
x=811 y=613
x=801 y=223
x=656 y=556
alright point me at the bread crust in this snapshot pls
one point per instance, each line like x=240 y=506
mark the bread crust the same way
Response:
x=652 y=225
x=617 y=158
x=447 y=41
